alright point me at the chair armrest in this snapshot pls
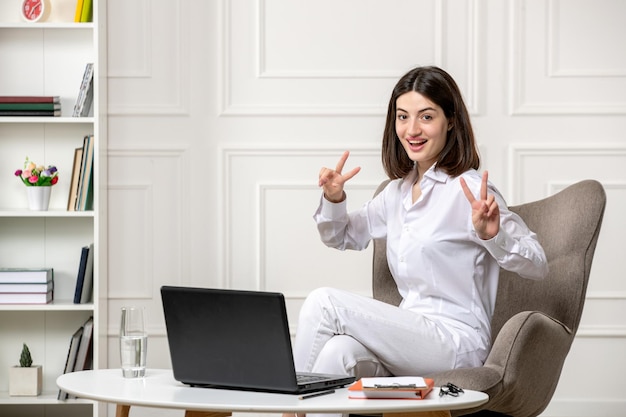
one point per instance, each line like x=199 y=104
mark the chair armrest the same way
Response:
x=531 y=347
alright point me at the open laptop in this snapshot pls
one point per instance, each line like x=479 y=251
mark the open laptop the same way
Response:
x=235 y=339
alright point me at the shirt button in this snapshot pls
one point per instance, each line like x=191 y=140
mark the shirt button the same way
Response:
x=402 y=259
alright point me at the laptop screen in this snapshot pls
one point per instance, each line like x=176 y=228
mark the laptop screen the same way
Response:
x=228 y=338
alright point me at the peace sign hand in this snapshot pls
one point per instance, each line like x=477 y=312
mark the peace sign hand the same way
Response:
x=332 y=181
x=485 y=210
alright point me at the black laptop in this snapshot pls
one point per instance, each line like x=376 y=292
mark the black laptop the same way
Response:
x=235 y=339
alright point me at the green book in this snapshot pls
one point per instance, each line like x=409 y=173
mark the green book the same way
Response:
x=30 y=106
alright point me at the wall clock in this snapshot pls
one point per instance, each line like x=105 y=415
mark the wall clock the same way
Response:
x=33 y=10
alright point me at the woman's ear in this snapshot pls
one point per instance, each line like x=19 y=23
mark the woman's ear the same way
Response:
x=450 y=126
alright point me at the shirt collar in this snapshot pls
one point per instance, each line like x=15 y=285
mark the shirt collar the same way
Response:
x=436 y=174
x=432 y=174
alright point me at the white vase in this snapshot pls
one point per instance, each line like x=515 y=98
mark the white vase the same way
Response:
x=25 y=381
x=38 y=197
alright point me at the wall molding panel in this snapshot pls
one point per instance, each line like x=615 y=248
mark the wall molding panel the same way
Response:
x=298 y=75
x=551 y=71
x=570 y=163
x=135 y=262
x=281 y=208
x=148 y=70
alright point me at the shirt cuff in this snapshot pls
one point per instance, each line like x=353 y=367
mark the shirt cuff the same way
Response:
x=330 y=210
x=498 y=246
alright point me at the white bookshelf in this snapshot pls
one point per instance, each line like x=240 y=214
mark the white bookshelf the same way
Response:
x=49 y=58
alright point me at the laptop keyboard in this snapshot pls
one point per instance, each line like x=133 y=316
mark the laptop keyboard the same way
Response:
x=307 y=378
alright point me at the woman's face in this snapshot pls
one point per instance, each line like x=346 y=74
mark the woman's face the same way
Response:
x=422 y=127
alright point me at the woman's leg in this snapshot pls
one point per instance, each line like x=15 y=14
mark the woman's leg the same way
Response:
x=378 y=338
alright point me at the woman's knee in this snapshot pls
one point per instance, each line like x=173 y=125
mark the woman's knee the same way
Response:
x=316 y=302
x=344 y=355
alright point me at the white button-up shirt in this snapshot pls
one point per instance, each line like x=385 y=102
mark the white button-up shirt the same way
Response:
x=443 y=270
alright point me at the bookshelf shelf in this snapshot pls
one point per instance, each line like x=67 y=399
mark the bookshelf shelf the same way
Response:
x=42 y=399
x=50 y=213
x=49 y=59
x=56 y=305
x=44 y=25
x=60 y=120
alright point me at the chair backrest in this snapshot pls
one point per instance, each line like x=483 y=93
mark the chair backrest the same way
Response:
x=567 y=225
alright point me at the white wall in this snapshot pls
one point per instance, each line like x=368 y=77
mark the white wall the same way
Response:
x=221 y=114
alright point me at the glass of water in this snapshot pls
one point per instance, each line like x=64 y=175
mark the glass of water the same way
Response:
x=133 y=342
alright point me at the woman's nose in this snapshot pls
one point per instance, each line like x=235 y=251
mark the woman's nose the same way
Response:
x=414 y=127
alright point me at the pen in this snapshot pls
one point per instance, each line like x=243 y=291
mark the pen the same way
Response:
x=316 y=394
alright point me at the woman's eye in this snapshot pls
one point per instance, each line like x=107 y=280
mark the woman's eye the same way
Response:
x=402 y=117
x=427 y=117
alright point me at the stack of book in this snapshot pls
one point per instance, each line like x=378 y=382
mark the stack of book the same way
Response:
x=395 y=387
x=34 y=106
x=84 y=100
x=80 y=353
x=84 y=278
x=84 y=11
x=80 y=197
x=26 y=286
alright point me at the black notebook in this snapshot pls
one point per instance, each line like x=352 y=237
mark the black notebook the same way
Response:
x=235 y=339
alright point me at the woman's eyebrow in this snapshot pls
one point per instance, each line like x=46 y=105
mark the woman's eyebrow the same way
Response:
x=419 y=111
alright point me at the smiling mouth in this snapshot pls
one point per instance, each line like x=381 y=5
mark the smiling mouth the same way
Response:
x=416 y=142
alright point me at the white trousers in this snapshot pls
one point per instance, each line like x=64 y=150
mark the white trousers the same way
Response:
x=344 y=333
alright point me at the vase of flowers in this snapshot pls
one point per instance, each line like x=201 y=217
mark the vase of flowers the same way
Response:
x=39 y=181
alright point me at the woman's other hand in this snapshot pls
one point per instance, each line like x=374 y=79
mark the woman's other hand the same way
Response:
x=485 y=210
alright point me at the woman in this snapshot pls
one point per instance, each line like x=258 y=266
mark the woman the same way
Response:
x=448 y=232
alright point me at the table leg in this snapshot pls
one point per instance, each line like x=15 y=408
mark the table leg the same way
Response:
x=441 y=413
x=189 y=413
x=122 y=410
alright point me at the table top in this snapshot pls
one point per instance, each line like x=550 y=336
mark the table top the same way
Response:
x=159 y=389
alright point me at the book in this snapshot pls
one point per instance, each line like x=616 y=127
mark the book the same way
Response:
x=30 y=99
x=34 y=113
x=87 y=289
x=86 y=14
x=80 y=276
x=82 y=106
x=83 y=355
x=73 y=194
x=30 y=106
x=27 y=287
x=26 y=275
x=85 y=180
x=71 y=358
x=26 y=298
x=79 y=11
x=405 y=388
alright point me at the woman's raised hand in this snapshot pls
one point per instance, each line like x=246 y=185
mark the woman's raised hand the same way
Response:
x=485 y=210
x=332 y=180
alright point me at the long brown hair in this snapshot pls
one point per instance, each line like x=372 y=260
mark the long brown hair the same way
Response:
x=459 y=153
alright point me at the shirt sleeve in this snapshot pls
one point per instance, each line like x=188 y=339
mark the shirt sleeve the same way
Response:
x=342 y=230
x=515 y=247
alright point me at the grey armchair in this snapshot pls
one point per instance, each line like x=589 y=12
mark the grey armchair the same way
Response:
x=534 y=322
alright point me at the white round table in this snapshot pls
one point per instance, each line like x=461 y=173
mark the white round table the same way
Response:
x=159 y=389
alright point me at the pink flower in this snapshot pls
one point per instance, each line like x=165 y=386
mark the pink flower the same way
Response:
x=33 y=179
